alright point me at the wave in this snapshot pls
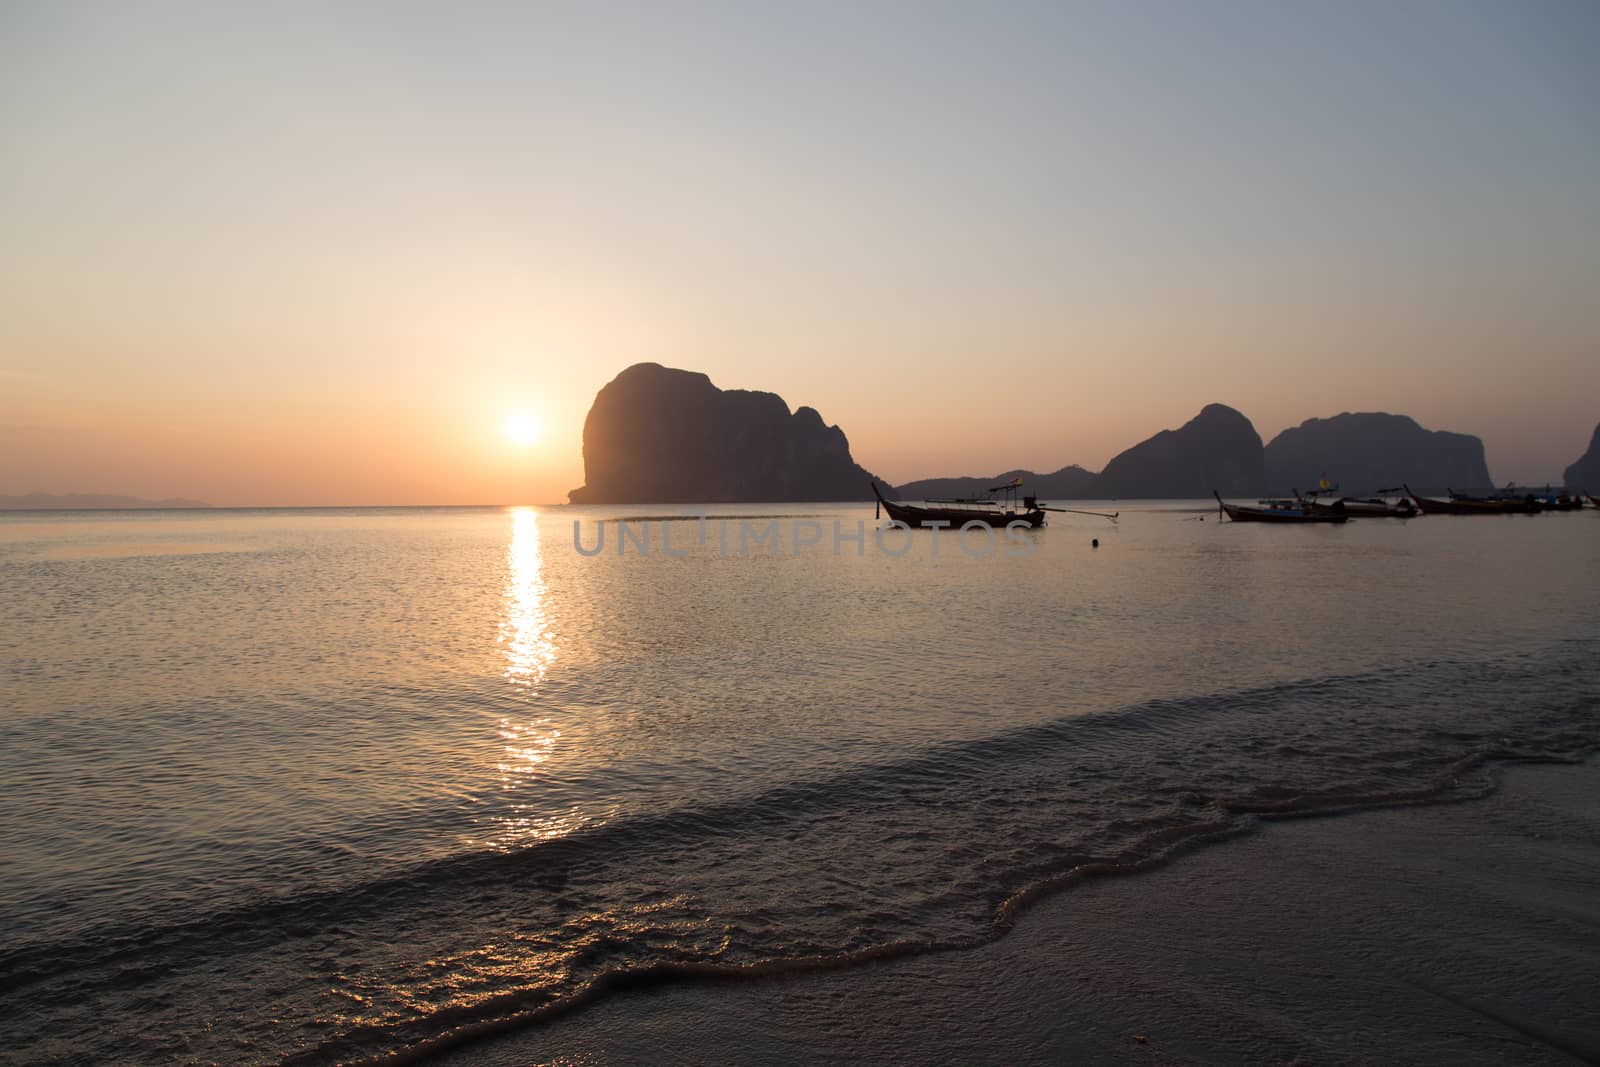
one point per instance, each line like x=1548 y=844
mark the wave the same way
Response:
x=460 y=1026
x=937 y=851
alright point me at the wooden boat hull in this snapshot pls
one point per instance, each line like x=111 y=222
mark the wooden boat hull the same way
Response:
x=955 y=519
x=1470 y=506
x=1241 y=513
x=1527 y=504
x=1238 y=513
x=922 y=517
x=1362 y=509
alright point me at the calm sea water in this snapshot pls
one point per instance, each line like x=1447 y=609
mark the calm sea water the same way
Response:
x=313 y=786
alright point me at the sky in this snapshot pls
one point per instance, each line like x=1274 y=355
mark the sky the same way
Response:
x=310 y=254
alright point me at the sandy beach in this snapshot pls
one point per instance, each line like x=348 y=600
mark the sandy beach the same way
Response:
x=1446 y=934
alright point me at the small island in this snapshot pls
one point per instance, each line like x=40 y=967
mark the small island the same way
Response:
x=657 y=435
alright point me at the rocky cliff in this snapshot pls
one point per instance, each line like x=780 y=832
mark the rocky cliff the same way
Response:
x=1217 y=449
x=1584 y=475
x=1368 y=451
x=656 y=436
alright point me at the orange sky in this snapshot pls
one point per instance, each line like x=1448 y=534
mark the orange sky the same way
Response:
x=318 y=257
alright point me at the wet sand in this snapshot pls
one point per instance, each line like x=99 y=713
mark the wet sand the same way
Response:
x=1464 y=933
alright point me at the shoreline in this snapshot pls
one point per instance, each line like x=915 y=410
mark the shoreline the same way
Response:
x=1459 y=932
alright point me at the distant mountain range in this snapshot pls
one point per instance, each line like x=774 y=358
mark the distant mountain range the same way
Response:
x=1220 y=450
x=1217 y=449
x=90 y=501
x=1065 y=484
x=659 y=435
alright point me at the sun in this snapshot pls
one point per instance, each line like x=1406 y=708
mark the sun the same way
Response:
x=522 y=429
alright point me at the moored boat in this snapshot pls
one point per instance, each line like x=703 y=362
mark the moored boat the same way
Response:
x=1377 y=508
x=1280 y=511
x=955 y=514
x=1511 y=499
x=1462 y=504
x=1558 y=500
x=1366 y=508
x=988 y=511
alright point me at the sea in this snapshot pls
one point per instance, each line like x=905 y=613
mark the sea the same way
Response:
x=345 y=785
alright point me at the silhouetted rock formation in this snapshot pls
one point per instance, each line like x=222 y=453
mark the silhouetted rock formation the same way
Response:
x=1217 y=449
x=1368 y=451
x=661 y=436
x=1584 y=475
x=1068 y=483
x=91 y=501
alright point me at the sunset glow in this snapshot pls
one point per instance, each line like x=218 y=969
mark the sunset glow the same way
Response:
x=523 y=430
x=854 y=229
x=535 y=532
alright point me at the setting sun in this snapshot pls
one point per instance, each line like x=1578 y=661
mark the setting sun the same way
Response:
x=523 y=429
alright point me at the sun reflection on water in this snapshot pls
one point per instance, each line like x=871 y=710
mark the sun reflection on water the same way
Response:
x=529 y=646
x=524 y=632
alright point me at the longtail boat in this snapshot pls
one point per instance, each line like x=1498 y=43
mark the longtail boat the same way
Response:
x=1461 y=504
x=1511 y=500
x=957 y=513
x=1281 y=511
x=988 y=511
x=1558 y=500
x=1368 y=508
x=1377 y=508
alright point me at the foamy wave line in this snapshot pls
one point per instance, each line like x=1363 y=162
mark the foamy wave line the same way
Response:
x=259 y=923
x=504 y=1013
x=251 y=924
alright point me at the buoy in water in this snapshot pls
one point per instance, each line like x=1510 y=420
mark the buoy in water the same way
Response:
x=1095 y=543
